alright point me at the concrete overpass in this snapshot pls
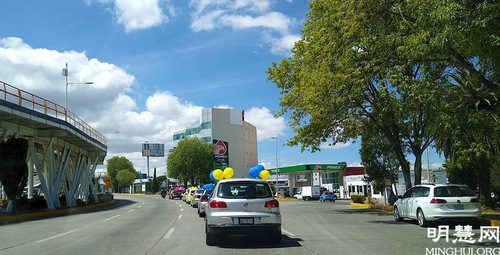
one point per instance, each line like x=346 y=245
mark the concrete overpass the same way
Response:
x=64 y=151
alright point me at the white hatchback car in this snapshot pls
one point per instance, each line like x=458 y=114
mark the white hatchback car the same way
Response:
x=242 y=207
x=429 y=203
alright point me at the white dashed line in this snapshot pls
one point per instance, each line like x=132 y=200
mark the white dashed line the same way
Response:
x=169 y=233
x=131 y=210
x=113 y=217
x=287 y=233
x=56 y=236
x=180 y=216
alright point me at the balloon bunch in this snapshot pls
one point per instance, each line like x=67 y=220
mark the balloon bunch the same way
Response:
x=218 y=174
x=259 y=171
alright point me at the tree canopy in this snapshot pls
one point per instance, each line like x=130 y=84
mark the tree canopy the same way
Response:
x=115 y=164
x=192 y=160
x=125 y=178
x=388 y=66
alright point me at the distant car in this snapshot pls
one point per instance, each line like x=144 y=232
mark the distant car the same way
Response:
x=242 y=207
x=189 y=195
x=202 y=204
x=327 y=195
x=430 y=203
x=298 y=195
x=196 y=197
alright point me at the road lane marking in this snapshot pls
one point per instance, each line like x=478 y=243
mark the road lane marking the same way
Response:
x=131 y=210
x=56 y=236
x=287 y=233
x=182 y=209
x=169 y=233
x=139 y=206
x=180 y=216
x=113 y=217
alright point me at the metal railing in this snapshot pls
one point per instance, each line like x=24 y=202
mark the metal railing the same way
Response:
x=33 y=102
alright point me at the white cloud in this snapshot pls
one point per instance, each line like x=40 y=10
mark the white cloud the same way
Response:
x=137 y=15
x=267 y=125
x=245 y=14
x=105 y=104
x=327 y=146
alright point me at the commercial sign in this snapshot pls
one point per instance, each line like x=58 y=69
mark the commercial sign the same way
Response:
x=221 y=152
x=153 y=150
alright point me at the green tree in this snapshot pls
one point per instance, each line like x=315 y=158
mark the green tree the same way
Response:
x=13 y=169
x=125 y=178
x=191 y=160
x=360 y=65
x=469 y=137
x=378 y=159
x=156 y=186
x=114 y=164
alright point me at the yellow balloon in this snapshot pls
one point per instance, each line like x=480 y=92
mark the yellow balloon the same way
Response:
x=264 y=174
x=228 y=173
x=218 y=174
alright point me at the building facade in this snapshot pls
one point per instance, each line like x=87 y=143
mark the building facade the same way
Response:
x=234 y=139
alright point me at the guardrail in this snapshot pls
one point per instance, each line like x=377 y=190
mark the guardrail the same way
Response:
x=33 y=102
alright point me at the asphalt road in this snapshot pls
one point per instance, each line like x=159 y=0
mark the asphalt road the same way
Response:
x=152 y=225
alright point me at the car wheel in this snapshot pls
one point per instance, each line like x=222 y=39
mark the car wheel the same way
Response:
x=210 y=239
x=396 y=214
x=421 y=218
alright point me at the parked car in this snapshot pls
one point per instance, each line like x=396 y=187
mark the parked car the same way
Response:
x=177 y=192
x=429 y=203
x=242 y=207
x=202 y=204
x=298 y=195
x=196 y=197
x=327 y=195
x=189 y=195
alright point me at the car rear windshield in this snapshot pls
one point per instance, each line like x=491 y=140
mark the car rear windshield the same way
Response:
x=453 y=191
x=236 y=190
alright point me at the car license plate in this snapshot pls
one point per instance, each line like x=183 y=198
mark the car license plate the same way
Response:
x=458 y=207
x=246 y=221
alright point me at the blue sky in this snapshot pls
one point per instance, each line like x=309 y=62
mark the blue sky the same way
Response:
x=155 y=64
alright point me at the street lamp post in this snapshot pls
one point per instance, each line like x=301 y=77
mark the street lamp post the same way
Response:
x=65 y=73
x=277 y=169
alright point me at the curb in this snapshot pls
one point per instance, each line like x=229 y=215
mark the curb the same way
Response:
x=484 y=221
x=51 y=213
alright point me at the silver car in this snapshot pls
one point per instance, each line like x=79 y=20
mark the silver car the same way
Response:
x=430 y=203
x=202 y=204
x=242 y=207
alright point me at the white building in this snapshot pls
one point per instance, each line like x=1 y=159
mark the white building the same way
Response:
x=234 y=139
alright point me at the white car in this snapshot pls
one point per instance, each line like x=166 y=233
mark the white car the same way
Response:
x=242 y=207
x=298 y=195
x=430 y=203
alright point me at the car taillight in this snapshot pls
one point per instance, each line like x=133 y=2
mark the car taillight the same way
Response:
x=272 y=203
x=438 y=201
x=218 y=204
x=204 y=200
x=474 y=200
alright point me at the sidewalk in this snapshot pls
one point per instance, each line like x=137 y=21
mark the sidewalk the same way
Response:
x=50 y=213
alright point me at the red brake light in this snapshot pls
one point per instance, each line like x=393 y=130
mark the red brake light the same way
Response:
x=474 y=200
x=438 y=201
x=272 y=203
x=204 y=200
x=217 y=204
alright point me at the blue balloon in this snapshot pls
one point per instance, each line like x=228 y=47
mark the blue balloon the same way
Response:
x=254 y=172
x=260 y=167
x=212 y=176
